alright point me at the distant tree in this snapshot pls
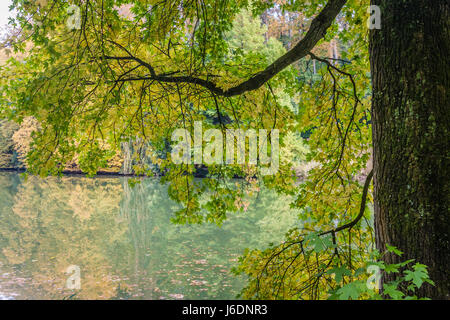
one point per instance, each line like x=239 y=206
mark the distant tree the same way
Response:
x=7 y=154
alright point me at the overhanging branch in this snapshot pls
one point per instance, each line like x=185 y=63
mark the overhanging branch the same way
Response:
x=317 y=31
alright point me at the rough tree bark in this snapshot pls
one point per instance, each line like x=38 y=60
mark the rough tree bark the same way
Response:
x=410 y=63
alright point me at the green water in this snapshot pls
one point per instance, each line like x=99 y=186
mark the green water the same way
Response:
x=123 y=241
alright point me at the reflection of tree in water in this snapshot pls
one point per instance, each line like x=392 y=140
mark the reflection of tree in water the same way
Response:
x=53 y=224
x=180 y=260
x=122 y=239
x=136 y=209
x=195 y=260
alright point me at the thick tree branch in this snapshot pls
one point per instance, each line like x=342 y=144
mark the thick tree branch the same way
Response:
x=317 y=31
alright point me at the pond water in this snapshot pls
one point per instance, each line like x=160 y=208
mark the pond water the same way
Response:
x=122 y=240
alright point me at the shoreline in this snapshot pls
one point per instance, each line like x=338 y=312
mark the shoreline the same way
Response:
x=101 y=173
x=81 y=173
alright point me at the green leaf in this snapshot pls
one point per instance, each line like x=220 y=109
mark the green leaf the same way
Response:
x=393 y=250
x=392 y=268
x=339 y=273
x=418 y=276
x=391 y=290
x=349 y=291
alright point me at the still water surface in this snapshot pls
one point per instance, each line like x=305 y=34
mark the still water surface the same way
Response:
x=123 y=240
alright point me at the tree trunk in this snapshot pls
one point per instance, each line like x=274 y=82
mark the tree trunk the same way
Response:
x=410 y=66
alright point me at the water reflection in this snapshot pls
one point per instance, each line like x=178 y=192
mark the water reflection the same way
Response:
x=122 y=240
